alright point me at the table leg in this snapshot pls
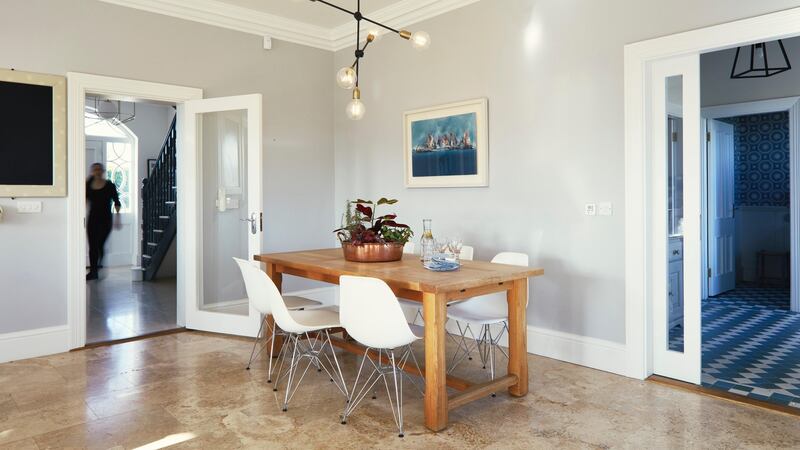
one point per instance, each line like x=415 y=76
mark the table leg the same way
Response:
x=434 y=309
x=277 y=278
x=518 y=337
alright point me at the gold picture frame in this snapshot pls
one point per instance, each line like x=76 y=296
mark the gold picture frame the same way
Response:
x=58 y=187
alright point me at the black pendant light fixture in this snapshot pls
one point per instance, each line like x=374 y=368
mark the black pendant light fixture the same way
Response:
x=761 y=60
x=348 y=77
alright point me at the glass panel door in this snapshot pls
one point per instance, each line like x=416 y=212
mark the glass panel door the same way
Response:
x=675 y=140
x=223 y=138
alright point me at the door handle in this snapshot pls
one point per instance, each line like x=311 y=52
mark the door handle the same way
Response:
x=253 y=223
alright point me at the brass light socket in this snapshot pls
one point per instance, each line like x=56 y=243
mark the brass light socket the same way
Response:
x=356 y=94
x=370 y=37
x=405 y=34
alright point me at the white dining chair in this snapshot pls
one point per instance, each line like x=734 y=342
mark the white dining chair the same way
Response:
x=371 y=315
x=485 y=311
x=467 y=254
x=310 y=326
x=266 y=331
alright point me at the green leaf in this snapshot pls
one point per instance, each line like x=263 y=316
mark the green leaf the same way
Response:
x=366 y=202
x=386 y=201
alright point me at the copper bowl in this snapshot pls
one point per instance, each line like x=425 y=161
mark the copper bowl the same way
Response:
x=369 y=253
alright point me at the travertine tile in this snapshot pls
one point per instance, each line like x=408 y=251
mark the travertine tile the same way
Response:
x=192 y=390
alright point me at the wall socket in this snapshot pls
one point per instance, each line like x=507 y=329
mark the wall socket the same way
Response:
x=605 y=209
x=29 y=207
x=590 y=209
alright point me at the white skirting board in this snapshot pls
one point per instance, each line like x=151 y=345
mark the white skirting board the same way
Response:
x=591 y=352
x=585 y=351
x=33 y=343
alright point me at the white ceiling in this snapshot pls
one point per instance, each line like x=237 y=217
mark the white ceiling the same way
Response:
x=299 y=21
x=311 y=12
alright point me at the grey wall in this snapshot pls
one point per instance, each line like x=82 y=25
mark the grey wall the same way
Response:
x=717 y=87
x=553 y=73
x=55 y=36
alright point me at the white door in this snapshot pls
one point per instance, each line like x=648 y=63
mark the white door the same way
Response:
x=720 y=215
x=675 y=217
x=219 y=210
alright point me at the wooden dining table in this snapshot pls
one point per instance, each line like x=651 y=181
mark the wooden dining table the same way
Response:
x=434 y=290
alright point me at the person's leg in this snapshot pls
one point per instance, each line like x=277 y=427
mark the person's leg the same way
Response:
x=95 y=245
x=102 y=237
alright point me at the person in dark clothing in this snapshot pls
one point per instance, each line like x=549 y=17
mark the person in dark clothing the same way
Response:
x=100 y=193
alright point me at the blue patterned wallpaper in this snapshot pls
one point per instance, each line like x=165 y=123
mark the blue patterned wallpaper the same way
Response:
x=761 y=155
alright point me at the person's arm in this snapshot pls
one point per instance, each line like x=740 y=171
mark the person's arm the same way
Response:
x=115 y=196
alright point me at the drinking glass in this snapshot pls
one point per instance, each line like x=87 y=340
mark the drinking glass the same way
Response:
x=441 y=247
x=455 y=247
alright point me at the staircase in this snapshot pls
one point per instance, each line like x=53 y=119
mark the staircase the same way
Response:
x=158 y=208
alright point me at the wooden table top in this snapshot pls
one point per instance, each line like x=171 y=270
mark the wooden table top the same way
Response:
x=407 y=273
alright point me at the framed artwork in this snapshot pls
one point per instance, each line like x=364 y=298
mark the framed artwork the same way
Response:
x=33 y=126
x=447 y=145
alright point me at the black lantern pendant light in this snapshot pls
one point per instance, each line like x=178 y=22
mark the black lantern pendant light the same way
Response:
x=760 y=60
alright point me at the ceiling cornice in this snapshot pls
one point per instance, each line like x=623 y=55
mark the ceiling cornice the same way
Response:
x=397 y=16
x=225 y=15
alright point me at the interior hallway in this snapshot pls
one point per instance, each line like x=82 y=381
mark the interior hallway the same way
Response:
x=119 y=308
x=193 y=387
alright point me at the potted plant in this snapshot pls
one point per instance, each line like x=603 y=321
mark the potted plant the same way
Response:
x=368 y=237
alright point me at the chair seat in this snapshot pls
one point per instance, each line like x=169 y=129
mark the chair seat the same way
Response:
x=418 y=330
x=295 y=302
x=456 y=312
x=314 y=320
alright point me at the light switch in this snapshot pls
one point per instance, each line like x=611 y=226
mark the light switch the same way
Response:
x=29 y=207
x=590 y=209
x=605 y=209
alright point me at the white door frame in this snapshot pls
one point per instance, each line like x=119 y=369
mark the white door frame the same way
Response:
x=638 y=225
x=78 y=85
x=792 y=106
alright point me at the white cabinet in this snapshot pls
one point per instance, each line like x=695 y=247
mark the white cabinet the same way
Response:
x=675 y=281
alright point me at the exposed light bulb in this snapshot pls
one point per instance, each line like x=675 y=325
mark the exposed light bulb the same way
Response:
x=374 y=32
x=355 y=108
x=346 y=78
x=420 y=40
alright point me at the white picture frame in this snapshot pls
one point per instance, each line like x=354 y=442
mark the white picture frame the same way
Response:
x=58 y=186
x=456 y=155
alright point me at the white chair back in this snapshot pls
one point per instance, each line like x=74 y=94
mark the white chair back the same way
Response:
x=371 y=314
x=255 y=292
x=495 y=304
x=467 y=253
x=261 y=288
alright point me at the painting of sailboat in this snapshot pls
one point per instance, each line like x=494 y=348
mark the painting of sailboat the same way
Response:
x=446 y=146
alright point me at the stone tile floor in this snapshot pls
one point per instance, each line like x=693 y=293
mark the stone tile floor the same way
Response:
x=191 y=389
x=119 y=308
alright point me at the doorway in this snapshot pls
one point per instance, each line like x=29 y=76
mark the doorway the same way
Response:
x=647 y=239
x=132 y=291
x=750 y=323
x=200 y=305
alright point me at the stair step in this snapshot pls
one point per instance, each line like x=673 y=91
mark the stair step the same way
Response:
x=152 y=244
x=163 y=217
x=158 y=231
x=169 y=202
x=146 y=256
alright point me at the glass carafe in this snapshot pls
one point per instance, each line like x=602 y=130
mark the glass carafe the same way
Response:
x=427 y=242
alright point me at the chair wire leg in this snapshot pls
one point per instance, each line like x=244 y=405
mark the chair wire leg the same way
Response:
x=398 y=392
x=255 y=344
x=271 y=353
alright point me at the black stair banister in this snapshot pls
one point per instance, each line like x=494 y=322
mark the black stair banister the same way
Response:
x=159 y=221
